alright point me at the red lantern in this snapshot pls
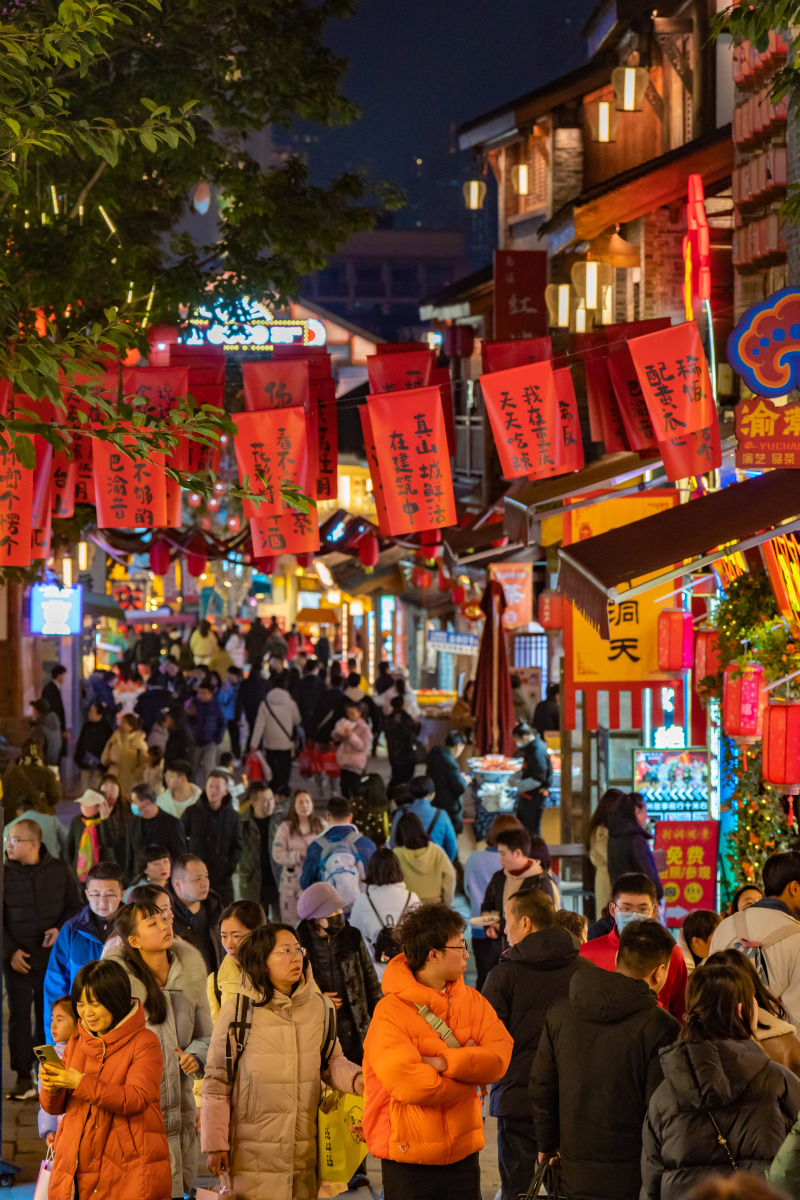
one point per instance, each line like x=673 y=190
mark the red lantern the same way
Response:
x=780 y=763
x=432 y=553
x=159 y=557
x=443 y=582
x=267 y=565
x=551 y=609
x=305 y=560
x=234 y=523
x=706 y=658
x=742 y=703
x=195 y=500
x=369 y=549
x=459 y=594
x=675 y=639
x=422 y=579
x=213 y=504
x=196 y=557
x=430 y=537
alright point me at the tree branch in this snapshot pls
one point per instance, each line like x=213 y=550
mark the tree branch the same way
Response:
x=84 y=192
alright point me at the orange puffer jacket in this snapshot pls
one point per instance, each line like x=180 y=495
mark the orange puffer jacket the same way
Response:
x=413 y=1113
x=112 y=1142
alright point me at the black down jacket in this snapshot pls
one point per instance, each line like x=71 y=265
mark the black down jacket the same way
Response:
x=629 y=850
x=753 y=1100
x=342 y=964
x=36 y=897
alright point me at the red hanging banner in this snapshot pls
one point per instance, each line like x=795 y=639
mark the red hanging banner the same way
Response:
x=672 y=369
x=286 y=532
x=605 y=419
x=271 y=448
x=281 y=383
x=523 y=409
x=129 y=493
x=440 y=377
x=65 y=474
x=501 y=356
x=520 y=277
x=639 y=432
x=161 y=387
x=570 y=421
x=105 y=385
x=374 y=471
x=396 y=372
x=41 y=538
x=692 y=454
x=411 y=445
x=16 y=504
x=42 y=475
x=327 y=441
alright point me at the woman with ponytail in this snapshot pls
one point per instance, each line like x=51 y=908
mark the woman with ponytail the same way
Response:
x=168 y=976
x=723 y=1106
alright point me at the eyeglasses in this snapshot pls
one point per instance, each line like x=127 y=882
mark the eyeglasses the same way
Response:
x=462 y=946
x=291 y=952
x=643 y=910
x=17 y=841
x=103 y=895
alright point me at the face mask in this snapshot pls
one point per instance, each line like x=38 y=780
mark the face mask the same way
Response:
x=336 y=924
x=135 y=810
x=623 y=919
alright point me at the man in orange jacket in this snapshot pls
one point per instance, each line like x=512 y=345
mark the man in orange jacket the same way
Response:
x=431 y=1047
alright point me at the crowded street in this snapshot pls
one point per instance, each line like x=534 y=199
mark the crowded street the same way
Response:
x=400 y=600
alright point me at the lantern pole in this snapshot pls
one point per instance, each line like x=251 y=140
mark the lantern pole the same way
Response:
x=778 y=682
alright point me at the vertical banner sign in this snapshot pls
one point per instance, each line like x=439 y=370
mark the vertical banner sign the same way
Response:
x=42 y=537
x=692 y=454
x=516 y=580
x=375 y=472
x=411 y=446
x=396 y=372
x=501 y=356
x=690 y=876
x=673 y=372
x=440 y=377
x=523 y=408
x=160 y=387
x=520 y=277
x=281 y=383
x=327 y=441
x=42 y=476
x=287 y=532
x=130 y=493
x=624 y=380
x=570 y=422
x=271 y=448
x=65 y=473
x=16 y=505
x=605 y=419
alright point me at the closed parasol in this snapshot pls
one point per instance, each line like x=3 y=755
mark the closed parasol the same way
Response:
x=493 y=703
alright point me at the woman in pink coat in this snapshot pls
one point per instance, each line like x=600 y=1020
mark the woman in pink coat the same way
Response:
x=290 y=847
x=354 y=739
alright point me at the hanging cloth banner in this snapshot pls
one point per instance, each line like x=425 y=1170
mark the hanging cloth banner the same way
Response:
x=6 y=389
x=42 y=475
x=501 y=356
x=375 y=472
x=161 y=387
x=639 y=432
x=327 y=440
x=440 y=377
x=287 y=532
x=673 y=372
x=106 y=385
x=129 y=493
x=605 y=419
x=570 y=421
x=692 y=454
x=41 y=538
x=411 y=445
x=396 y=372
x=523 y=409
x=275 y=384
x=16 y=505
x=65 y=474
x=271 y=448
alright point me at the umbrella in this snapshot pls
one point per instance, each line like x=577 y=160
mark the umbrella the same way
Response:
x=493 y=704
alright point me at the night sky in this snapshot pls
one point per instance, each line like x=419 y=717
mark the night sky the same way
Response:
x=419 y=68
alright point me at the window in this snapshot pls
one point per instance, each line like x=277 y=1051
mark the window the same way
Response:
x=530 y=650
x=369 y=281
x=405 y=281
x=332 y=281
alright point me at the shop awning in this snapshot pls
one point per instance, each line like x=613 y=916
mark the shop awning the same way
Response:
x=693 y=535
x=318 y=616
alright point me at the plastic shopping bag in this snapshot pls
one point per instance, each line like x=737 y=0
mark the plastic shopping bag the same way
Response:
x=222 y=1190
x=43 y=1182
x=340 y=1150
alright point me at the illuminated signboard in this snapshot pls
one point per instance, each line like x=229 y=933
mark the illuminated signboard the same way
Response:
x=782 y=559
x=259 y=331
x=674 y=783
x=56 y=611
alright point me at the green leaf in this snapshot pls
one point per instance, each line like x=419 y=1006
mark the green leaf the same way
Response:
x=25 y=452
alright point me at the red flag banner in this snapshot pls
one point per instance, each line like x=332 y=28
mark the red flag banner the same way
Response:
x=6 y=390
x=605 y=419
x=281 y=383
x=570 y=422
x=440 y=377
x=501 y=356
x=16 y=505
x=520 y=277
x=271 y=447
x=161 y=387
x=692 y=453
x=396 y=372
x=639 y=432
x=411 y=445
x=129 y=493
x=327 y=441
x=42 y=475
x=672 y=369
x=106 y=385
x=523 y=409
x=65 y=474
x=286 y=532
x=41 y=538
x=375 y=472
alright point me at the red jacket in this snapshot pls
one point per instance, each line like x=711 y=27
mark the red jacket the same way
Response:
x=604 y=950
x=111 y=1142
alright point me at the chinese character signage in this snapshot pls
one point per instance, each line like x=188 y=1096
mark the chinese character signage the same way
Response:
x=605 y=420
x=327 y=440
x=16 y=507
x=766 y=436
x=673 y=372
x=445 y=641
x=397 y=372
x=411 y=448
x=516 y=580
x=764 y=348
x=287 y=532
x=160 y=387
x=271 y=448
x=570 y=422
x=130 y=493
x=375 y=472
x=500 y=356
x=62 y=495
x=690 y=849
x=522 y=404
x=278 y=384
x=520 y=277
x=692 y=453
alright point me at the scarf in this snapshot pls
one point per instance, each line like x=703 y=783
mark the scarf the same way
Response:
x=88 y=847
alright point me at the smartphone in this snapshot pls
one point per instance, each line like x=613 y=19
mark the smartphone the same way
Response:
x=47 y=1054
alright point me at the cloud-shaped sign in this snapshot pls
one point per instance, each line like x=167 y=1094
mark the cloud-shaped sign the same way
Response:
x=764 y=348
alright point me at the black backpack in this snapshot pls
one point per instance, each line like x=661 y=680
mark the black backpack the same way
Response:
x=385 y=946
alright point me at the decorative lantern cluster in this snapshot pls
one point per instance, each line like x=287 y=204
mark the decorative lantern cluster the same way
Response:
x=675 y=640
x=422 y=579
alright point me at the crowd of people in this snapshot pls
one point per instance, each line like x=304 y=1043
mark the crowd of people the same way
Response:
x=204 y=953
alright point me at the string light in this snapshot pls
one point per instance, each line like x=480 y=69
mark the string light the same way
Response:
x=107 y=219
x=54 y=198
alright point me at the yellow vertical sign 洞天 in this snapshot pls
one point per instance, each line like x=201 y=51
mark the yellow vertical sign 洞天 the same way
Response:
x=631 y=653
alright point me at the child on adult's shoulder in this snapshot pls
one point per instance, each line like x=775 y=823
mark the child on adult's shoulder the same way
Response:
x=63 y=1024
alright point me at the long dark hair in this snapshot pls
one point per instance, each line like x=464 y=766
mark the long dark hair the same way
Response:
x=605 y=806
x=125 y=926
x=714 y=996
x=108 y=984
x=315 y=823
x=410 y=833
x=764 y=999
x=253 y=955
x=372 y=793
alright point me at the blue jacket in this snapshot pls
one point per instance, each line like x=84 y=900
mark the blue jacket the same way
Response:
x=442 y=833
x=205 y=721
x=336 y=833
x=227 y=696
x=76 y=945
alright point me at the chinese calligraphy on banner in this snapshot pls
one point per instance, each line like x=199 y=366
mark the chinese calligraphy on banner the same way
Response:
x=161 y=387
x=411 y=448
x=65 y=473
x=271 y=448
x=570 y=422
x=767 y=436
x=500 y=356
x=327 y=440
x=522 y=404
x=520 y=277
x=130 y=493
x=16 y=505
x=605 y=420
x=279 y=383
x=375 y=472
x=672 y=369
x=516 y=580
x=286 y=532
x=397 y=372
x=690 y=876
x=692 y=454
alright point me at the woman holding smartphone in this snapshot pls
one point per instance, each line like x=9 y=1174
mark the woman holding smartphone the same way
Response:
x=111 y=1141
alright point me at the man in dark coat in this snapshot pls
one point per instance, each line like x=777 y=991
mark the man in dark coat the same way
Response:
x=441 y=766
x=598 y=1065
x=255 y=643
x=308 y=693
x=196 y=909
x=149 y=826
x=536 y=971
x=154 y=700
x=214 y=833
x=533 y=781
x=40 y=893
x=51 y=692
x=252 y=691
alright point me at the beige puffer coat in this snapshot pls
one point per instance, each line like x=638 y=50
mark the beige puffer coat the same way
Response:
x=268 y=1121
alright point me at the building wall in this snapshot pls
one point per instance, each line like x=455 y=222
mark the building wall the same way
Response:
x=662 y=263
x=568 y=163
x=792 y=228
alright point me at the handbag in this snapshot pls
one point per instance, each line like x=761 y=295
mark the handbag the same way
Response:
x=42 y=1188
x=223 y=1188
x=339 y=1150
x=549 y=1175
